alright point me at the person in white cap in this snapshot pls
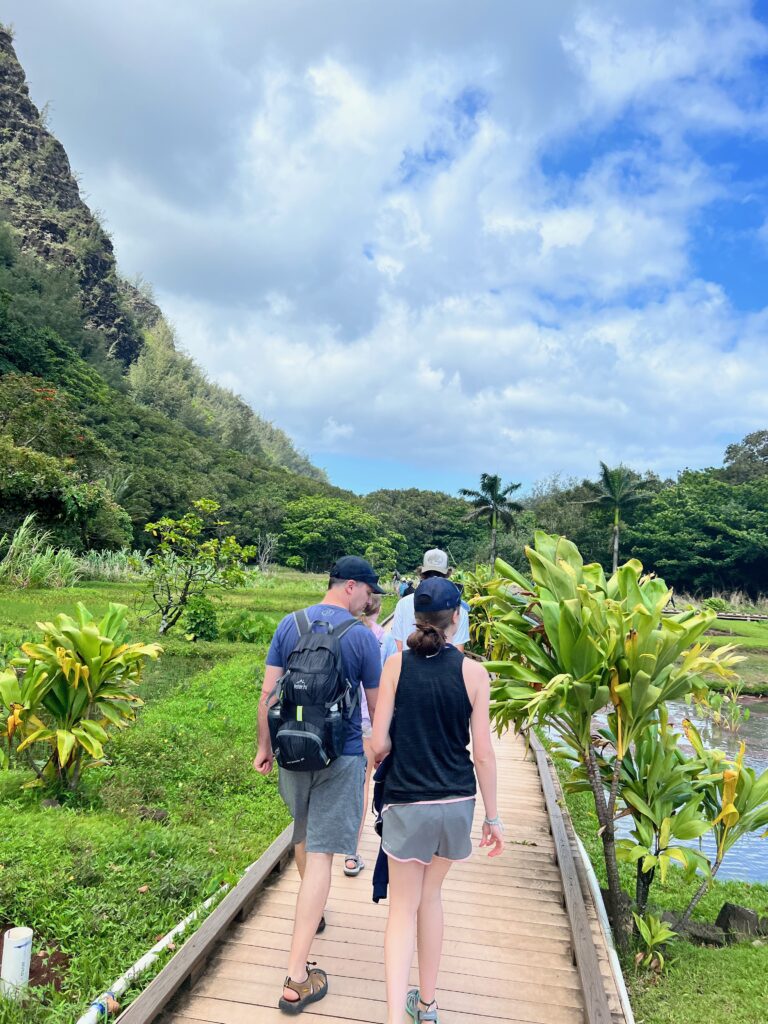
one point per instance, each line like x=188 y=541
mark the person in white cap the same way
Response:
x=434 y=563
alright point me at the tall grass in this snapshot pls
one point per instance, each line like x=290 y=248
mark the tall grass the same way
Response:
x=735 y=601
x=30 y=560
x=112 y=566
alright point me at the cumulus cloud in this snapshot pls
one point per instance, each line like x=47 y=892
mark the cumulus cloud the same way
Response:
x=481 y=231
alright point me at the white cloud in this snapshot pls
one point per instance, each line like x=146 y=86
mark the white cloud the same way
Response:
x=482 y=227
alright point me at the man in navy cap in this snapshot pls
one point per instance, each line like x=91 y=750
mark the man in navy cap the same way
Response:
x=326 y=805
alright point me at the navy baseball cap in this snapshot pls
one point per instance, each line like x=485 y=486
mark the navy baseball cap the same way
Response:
x=435 y=595
x=350 y=567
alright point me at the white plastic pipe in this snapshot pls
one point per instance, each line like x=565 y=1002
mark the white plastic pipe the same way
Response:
x=17 y=953
x=98 y=1008
x=602 y=916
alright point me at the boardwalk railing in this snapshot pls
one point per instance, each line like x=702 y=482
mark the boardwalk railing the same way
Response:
x=596 y=1007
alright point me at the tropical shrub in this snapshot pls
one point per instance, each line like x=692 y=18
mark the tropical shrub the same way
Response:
x=200 y=619
x=79 y=684
x=190 y=557
x=654 y=934
x=245 y=627
x=725 y=709
x=585 y=644
x=492 y=599
x=735 y=800
x=657 y=786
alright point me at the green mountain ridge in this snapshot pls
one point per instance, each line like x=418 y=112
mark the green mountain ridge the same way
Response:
x=40 y=200
x=106 y=424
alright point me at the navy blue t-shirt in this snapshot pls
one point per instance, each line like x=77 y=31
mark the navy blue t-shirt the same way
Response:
x=360 y=657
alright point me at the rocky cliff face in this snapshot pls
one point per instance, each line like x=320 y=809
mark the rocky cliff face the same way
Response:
x=40 y=198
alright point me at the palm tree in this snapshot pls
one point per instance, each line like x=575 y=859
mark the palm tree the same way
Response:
x=492 y=502
x=619 y=489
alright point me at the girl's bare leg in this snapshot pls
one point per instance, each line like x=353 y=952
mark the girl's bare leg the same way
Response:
x=405 y=885
x=430 y=927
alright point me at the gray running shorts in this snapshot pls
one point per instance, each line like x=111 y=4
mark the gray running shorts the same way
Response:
x=326 y=806
x=423 y=831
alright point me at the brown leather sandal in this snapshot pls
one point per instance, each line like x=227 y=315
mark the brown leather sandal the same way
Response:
x=309 y=991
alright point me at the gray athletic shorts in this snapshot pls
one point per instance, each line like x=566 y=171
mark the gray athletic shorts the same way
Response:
x=423 y=831
x=326 y=806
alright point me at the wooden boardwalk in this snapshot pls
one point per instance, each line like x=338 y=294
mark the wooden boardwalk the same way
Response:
x=507 y=954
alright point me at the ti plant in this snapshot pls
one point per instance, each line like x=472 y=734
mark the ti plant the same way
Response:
x=735 y=799
x=654 y=934
x=79 y=684
x=657 y=786
x=491 y=597
x=584 y=644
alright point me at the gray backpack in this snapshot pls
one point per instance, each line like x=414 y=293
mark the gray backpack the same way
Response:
x=307 y=722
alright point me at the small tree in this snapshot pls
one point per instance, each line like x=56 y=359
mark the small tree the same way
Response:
x=266 y=544
x=492 y=503
x=191 y=556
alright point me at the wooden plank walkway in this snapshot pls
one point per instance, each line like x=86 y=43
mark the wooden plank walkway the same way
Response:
x=507 y=952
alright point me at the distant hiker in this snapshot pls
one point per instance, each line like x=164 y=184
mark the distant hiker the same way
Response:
x=430 y=699
x=434 y=564
x=354 y=863
x=310 y=722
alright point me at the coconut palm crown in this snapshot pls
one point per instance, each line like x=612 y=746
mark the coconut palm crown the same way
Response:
x=618 y=490
x=492 y=502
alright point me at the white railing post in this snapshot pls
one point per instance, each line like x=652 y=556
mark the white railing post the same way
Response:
x=17 y=953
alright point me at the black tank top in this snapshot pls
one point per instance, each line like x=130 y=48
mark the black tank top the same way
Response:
x=430 y=731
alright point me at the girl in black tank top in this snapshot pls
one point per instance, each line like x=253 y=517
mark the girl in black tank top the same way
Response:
x=430 y=731
x=430 y=699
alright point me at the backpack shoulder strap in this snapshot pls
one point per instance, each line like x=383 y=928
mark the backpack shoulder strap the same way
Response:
x=345 y=627
x=303 y=625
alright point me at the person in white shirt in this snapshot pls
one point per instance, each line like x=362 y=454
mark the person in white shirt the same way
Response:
x=435 y=563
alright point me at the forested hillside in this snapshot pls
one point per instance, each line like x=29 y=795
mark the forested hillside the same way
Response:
x=105 y=423
x=41 y=201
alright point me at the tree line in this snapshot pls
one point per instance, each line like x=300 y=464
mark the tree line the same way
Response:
x=97 y=453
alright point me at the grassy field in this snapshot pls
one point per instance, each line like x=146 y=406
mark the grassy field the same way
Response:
x=700 y=985
x=100 y=880
x=752 y=639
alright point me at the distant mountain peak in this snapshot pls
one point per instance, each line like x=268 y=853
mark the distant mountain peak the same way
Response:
x=40 y=198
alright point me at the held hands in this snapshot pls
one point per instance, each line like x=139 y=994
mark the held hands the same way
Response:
x=263 y=761
x=493 y=836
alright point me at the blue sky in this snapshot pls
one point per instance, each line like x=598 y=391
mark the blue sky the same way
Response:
x=435 y=239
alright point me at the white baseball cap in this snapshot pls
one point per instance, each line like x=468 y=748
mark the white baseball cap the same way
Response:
x=435 y=560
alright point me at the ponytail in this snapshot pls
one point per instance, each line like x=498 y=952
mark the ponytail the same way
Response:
x=429 y=636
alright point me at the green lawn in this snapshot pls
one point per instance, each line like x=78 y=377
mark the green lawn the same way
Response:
x=77 y=874
x=752 y=639
x=700 y=985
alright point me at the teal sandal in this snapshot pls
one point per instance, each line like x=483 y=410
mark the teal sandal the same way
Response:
x=412 y=1009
